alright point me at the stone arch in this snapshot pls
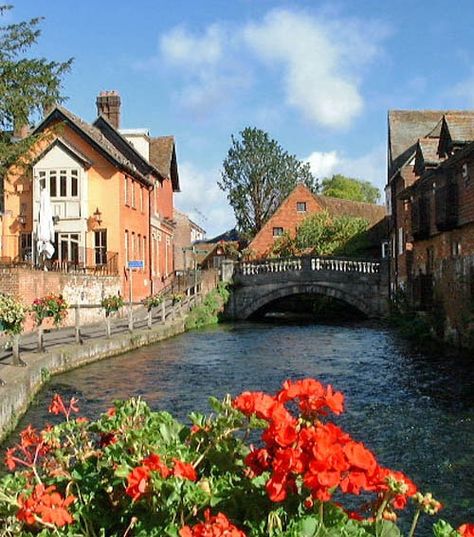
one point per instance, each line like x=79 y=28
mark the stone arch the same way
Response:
x=260 y=300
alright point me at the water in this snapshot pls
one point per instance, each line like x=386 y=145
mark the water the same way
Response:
x=415 y=410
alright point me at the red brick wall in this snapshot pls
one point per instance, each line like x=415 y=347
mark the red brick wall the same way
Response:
x=286 y=217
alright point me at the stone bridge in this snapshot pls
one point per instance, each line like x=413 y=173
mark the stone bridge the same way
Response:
x=361 y=283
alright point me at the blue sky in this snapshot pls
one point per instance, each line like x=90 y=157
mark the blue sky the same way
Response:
x=318 y=76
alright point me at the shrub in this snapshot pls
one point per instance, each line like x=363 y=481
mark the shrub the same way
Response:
x=51 y=305
x=111 y=303
x=142 y=473
x=12 y=314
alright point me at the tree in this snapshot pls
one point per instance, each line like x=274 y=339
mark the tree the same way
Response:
x=324 y=234
x=28 y=85
x=257 y=176
x=339 y=186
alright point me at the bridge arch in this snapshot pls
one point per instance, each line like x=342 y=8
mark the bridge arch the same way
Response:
x=283 y=291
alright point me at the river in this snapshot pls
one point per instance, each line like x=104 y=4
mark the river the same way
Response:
x=414 y=409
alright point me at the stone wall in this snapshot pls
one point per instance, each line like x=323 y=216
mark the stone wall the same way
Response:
x=28 y=284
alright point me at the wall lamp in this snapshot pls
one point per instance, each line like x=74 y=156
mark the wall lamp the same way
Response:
x=22 y=219
x=97 y=216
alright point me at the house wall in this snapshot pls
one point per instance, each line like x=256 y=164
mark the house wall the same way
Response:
x=286 y=217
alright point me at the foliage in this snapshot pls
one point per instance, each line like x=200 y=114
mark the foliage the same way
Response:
x=51 y=305
x=153 y=301
x=208 y=311
x=347 y=188
x=258 y=174
x=142 y=473
x=177 y=298
x=323 y=234
x=12 y=314
x=112 y=303
x=28 y=85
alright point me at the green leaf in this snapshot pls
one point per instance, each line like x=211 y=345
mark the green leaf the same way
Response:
x=443 y=529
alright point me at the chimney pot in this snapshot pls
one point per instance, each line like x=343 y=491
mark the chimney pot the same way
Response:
x=108 y=105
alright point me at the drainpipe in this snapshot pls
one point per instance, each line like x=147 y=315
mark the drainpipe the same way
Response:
x=150 y=257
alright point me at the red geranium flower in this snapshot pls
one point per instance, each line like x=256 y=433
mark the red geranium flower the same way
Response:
x=184 y=470
x=466 y=530
x=137 y=482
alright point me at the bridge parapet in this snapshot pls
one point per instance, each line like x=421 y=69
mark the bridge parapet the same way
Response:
x=311 y=263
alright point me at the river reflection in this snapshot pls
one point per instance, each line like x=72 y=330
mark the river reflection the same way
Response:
x=415 y=410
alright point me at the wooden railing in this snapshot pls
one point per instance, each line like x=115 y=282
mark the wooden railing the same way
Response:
x=312 y=263
x=137 y=316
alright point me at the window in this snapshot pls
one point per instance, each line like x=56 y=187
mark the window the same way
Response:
x=133 y=195
x=401 y=241
x=277 y=231
x=26 y=250
x=141 y=199
x=430 y=260
x=126 y=248
x=61 y=184
x=465 y=173
x=133 y=254
x=385 y=249
x=125 y=189
x=100 y=246
x=456 y=248
x=139 y=247
x=144 y=252
x=301 y=206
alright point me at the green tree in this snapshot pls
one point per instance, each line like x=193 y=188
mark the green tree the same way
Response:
x=339 y=186
x=324 y=234
x=28 y=85
x=258 y=174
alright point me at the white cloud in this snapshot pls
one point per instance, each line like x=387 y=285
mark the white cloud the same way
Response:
x=203 y=200
x=465 y=90
x=369 y=167
x=321 y=61
x=179 y=47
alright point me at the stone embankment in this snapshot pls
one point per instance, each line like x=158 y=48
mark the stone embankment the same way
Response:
x=22 y=383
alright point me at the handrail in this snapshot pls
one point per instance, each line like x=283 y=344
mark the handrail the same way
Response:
x=312 y=263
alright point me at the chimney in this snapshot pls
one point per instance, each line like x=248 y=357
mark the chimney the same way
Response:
x=108 y=105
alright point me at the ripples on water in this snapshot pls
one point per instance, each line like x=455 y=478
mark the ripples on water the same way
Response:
x=416 y=411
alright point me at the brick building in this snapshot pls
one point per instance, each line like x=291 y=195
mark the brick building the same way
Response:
x=300 y=203
x=111 y=193
x=431 y=190
x=186 y=233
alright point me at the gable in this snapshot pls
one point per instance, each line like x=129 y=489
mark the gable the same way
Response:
x=61 y=155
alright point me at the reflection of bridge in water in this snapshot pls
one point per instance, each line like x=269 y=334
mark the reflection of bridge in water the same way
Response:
x=361 y=283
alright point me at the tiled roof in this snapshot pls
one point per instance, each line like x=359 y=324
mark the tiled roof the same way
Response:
x=336 y=206
x=405 y=127
x=94 y=135
x=161 y=153
x=429 y=150
x=461 y=126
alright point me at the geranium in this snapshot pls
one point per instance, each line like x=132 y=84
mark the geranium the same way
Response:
x=134 y=469
x=213 y=526
x=51 y=305
x=45 y=506
x=111 y=303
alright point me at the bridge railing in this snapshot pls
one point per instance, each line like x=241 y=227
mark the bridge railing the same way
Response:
x=311 y=263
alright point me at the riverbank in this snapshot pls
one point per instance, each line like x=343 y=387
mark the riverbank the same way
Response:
x=23 y=383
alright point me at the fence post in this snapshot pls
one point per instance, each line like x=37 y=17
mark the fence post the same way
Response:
x=77 y=323
x=107 y=325
x=149 y=319
x=40 y=339
x=163 y=311
x=130 y=318
x=16 y=351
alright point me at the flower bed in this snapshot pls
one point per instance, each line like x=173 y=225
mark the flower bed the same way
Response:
x=142 y=473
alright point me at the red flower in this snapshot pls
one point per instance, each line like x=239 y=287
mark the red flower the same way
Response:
x=466 y=530
x=45 y=505
x=155 y=464
x=137 y=482
x=213 y=526
x=184 y=470
x=258 y=403
x=360 y=457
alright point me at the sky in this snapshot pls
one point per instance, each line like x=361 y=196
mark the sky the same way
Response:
x=318 y=76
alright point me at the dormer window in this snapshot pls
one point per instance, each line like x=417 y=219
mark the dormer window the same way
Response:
x=60 y=183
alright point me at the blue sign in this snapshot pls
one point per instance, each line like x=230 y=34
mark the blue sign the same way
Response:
x=136 y=264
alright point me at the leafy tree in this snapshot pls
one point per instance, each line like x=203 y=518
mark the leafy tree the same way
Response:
x=258 y=174
x=339 y=186
x=323 y=234
x=28 y=85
